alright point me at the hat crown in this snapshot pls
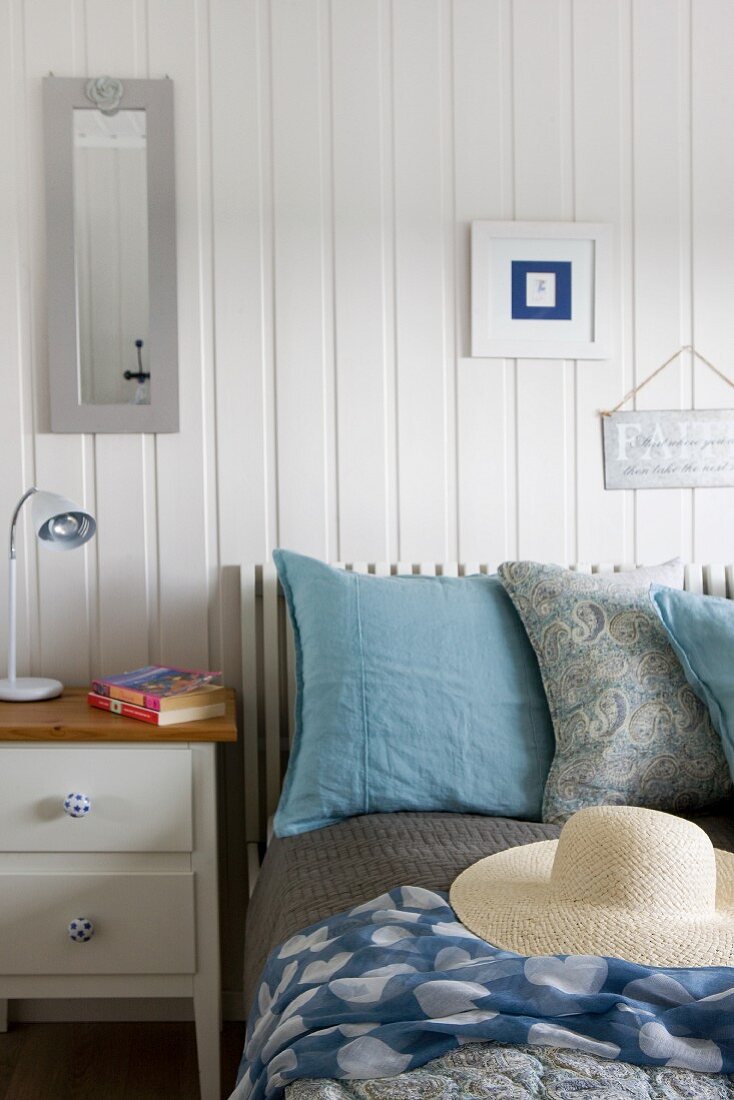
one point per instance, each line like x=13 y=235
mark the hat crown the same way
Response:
x=635 y=859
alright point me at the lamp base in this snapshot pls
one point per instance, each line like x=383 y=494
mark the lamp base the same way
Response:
x=29 y=689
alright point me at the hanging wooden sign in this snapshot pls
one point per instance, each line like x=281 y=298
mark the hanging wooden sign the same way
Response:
x=668 y=449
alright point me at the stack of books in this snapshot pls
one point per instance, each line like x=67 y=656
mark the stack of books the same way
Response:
x=161 y=696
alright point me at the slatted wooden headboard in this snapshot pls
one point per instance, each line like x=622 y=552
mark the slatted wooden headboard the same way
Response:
x=268 y=667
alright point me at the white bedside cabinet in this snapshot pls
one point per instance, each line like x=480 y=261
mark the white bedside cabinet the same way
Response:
x=115 y=893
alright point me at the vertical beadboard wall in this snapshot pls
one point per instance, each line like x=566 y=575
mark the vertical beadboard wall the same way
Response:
x=330 y=155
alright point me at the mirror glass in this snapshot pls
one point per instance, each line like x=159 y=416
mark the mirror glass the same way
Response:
x=111 y=256
x=112 y=300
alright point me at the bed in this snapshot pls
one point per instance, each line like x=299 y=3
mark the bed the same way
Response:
x=299 y=880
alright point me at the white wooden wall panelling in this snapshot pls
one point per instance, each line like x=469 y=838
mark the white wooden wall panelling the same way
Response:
x=448 y=286
x=424 y=383
x=360 y=231
x=65 y=582
x=16 y=429
x=543 y=191
x=601 y=182
x=303 y=277
x=186 y=506
x=663 y=518
x=122 y=554
x=389 y=273
x=242 y=273
x=713 y=230
x=685 y=237
x=115 y=40
x=482 y=61
x=567 y=167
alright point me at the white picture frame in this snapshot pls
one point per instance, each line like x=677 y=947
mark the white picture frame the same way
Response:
x=541 y=290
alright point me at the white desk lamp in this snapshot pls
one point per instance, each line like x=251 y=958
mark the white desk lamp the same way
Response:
x=60 y=525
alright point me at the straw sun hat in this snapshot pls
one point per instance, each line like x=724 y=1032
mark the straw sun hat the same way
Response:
x=636 y=884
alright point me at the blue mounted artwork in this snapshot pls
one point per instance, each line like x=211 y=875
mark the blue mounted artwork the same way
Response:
x=526 y=273
x=541 y=290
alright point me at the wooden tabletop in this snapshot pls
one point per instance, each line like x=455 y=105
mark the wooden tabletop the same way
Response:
x=70 y=718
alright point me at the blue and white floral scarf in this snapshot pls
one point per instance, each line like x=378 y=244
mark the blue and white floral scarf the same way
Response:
x=397 y=982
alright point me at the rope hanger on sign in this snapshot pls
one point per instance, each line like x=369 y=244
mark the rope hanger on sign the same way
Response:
x=686 y=347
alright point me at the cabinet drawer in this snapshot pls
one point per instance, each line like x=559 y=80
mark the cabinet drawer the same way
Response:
x=140 y=799
x=143 y=924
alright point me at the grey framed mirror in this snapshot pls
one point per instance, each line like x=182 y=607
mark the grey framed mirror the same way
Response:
x=111 y=262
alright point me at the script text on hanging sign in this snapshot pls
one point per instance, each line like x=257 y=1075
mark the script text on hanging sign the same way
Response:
x=668 y=449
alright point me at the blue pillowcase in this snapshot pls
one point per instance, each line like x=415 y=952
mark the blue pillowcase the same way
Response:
x=413 y=693
x=701 y=631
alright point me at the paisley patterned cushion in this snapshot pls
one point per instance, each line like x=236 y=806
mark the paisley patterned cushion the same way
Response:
x=629 y=730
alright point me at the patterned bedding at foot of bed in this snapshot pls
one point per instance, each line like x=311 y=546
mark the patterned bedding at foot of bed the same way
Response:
x=500 y=1072
x=395 y=983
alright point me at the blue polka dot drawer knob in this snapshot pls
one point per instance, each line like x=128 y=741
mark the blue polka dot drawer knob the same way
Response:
x=77 y=805
x=81 y=929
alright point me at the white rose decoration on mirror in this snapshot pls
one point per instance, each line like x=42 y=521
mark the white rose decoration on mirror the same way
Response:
x=105 y=92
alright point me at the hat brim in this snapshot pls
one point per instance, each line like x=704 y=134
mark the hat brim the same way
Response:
x=507 y=899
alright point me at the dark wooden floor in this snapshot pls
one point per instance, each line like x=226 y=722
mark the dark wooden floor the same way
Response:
x=140 y=1061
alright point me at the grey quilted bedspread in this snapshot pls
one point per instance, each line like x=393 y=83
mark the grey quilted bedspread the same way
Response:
x=310 y=877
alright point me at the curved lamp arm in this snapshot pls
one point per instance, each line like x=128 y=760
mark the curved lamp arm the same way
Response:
x=12 y=648
x=16 y=513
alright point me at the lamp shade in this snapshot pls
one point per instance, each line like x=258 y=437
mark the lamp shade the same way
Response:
x=59 y=523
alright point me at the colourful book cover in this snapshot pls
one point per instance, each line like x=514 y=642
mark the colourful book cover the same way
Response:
x=146 y=687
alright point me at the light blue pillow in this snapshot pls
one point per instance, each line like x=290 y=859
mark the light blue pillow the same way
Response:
x=701 y=631
x=412 y=693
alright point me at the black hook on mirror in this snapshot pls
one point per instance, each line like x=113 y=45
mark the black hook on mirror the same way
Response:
x=139 y=375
